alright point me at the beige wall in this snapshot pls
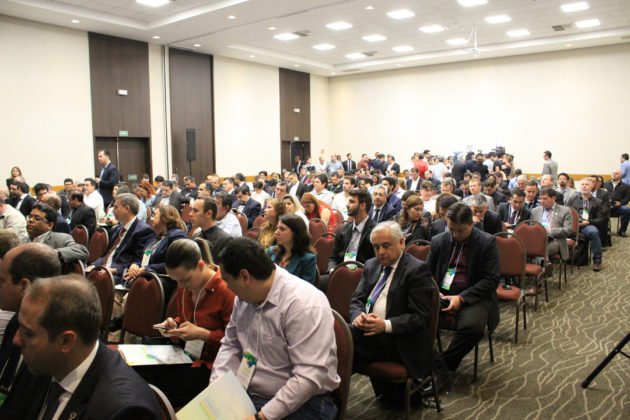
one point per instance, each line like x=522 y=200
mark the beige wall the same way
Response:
x=320 y=117
x=157 y=108
x=574 y=103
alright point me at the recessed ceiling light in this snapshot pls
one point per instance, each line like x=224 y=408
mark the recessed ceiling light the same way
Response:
x=374 y=38
x=402 y=48
x=498 y=19
x=231 y=17
x=517 y=33
x=431 y=29
x=574 y=7
x=76 y=21
x=272 y=28
x=401 y=14
x=368 y=8
x=457 y=41
x=471 y=3
x=197 y=45
x=398 y=65
x=588 y=23
x=156 y=37
x=296 y=65
x=568 y=45
x=338 y=26
x=355 y=56
x=333 y=73
x=153 y=3
x=252 y=56
x=324 y=47
x=286 y=36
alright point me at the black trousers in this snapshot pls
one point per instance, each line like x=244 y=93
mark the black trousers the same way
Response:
x=180 y=383
x=471 y=325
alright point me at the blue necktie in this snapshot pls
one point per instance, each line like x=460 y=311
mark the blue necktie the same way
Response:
x=378 y=289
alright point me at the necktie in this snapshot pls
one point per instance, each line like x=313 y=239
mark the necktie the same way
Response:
x=52 y=400
x=378 y=289
x=114 y=245
x=376 y=213
x=512 y=217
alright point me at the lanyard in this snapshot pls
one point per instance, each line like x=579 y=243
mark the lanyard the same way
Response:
x=458 y=256
x=196 y=303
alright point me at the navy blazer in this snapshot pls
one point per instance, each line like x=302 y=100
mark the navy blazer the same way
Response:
x=158 y=255
x=395 y=202
x=107 y=181
x=131 y=249
x=438 y=226
x=61 y=225
x=409 y=181
x=302 y=266
x=25 y=207
x=482 y=264
x=251 y=210
x=387 y=213
x=491 y=223
x=505 y=211
x=83 y=215
x=408 y=308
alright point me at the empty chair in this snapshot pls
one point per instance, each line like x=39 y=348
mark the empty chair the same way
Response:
x=342 y=284
x=80 y=235
x=98 y=244
x=145 y=306
x=419 y=249
x=324 y=244
x=103 y=279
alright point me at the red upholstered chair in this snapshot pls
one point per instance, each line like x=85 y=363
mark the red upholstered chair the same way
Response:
x=168 y=413
x=342 y=284
x=80 y=235
x=73 y=268
x=338 y=216
x=149 y=215
x=338 y=226
x=145 y=306
x=186 y=213
x=103 y=279
x=242 y=219
x=397 y=373
x=534 y=237
x=345 y=353
x=253 y=233
x=258 y=221
x=513 y=260
x=98 y=245
x=316 y=227
x=324 y=245
x=419 y=249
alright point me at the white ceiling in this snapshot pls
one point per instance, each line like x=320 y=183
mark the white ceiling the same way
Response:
x=246 y=35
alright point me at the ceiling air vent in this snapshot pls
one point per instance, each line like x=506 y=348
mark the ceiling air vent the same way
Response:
x=560 y=28
x=303 y=33
x=350 y=70
x=370 y=53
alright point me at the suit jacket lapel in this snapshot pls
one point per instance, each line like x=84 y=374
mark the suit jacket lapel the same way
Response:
x=395 y=281
x=126 y=237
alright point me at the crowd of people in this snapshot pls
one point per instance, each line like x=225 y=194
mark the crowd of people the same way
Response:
x=239 y=260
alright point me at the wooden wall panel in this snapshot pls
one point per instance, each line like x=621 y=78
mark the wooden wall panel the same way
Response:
x=117 y=63
x=295 y=92
x=192 y=107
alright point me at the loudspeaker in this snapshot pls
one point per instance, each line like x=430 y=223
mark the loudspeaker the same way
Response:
x=191 y=140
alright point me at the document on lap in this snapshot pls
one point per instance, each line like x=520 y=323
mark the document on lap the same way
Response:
x=160 y=354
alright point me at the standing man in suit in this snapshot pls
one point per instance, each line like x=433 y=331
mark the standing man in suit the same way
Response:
x=58 y=335
x=81 y=213
x=381 y=211
x=349 y=165
x=557 y=220
x=168 y=197
x=550 y=166
x=128 y=240
x=392 y=165
x=19 y=197
x=246 y=205
x=390 y=310
x=40 y=224
x=459 y=167
x=414 y=182
x=465 y=263
x=513 y=212
x=108 y=177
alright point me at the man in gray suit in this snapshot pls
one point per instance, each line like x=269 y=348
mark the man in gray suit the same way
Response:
x=550 y=166
x=475 y=189
x=557 y=220
x=39 y=227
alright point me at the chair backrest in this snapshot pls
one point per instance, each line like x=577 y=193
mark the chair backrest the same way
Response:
x=258 y=221
x=435 y=311
x=145 y=305
x=345 y=352
x=80 y=235
x=338 y=226
x=316 y=227
x=512 y=254
x=75 y=267
x=324 y=245
x=338 y=216
x=186 y=213
x=242 y=219
x=253 y=233
x=534 y=237
x=342 y=284
x=419 y=249
x=98 y=244
x=576 y=222
x=103 y=279
x=149 y=216
x=168 y=413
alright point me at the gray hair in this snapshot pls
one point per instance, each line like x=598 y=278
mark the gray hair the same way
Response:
x=380 y=187
x=461 y=156
x=394 y=230
x=448 y=180
x=478 y=200
x=130 y=200
x=524 y=177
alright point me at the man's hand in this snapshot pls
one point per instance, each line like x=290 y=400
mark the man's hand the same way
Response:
x=133 y=272
x=584 y=223
x=617 y=204
x=97 y=180
x=456 y=304
x=189 y=331
x=360 y=322
x=260 y=416
x=374 y=325
x=169 y=324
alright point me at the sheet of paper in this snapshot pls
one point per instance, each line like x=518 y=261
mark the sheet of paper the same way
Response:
x=159 y=354
x=224 y=399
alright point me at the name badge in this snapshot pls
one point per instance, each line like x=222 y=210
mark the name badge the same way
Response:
x=350 y=256
x=584 y=214
x=246 y=369
x=145 y=258
x=546 y=225
x=448 y=279
x=193 y=348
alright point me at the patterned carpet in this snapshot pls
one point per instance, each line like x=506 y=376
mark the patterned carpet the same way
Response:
x=540 y=377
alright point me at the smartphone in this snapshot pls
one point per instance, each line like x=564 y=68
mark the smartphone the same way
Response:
x=444 y=303
x=160 y=328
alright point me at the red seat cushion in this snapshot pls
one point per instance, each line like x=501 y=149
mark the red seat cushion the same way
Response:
x=555 y=257
x=508 y=295
x=386 y=370
x=533 y=269
x=571 y=243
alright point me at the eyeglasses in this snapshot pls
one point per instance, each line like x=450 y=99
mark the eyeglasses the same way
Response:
x=37 y=218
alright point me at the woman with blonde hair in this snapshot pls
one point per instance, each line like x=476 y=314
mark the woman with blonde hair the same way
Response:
x=413 y=225
x=292 y=206
x=273 y=211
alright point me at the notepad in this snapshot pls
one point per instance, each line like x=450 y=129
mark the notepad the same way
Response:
x=159 y=354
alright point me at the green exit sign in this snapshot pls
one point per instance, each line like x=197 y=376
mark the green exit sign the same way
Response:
x=296 y=138
x=123 y=133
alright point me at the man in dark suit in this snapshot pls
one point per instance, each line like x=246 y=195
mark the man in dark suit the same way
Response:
x=393 y=200
x=296 y=187
x=465 y=263
x=349 y=165
x=54 y=201
x=81 y=213
x=459 y=168
x=190 y=188
x=414 y=182
x=246 y=205
x=484 y=219
x=390 y=310
x=108 y=177
x=619 y=197
x=392 y=165
x=203 y=216
x=490 y=188
x=464 y=189
x=107 y=388
x=168 y=197
x=442 y=203
x=19 y=198
x=513 y=212
x=380 y=211
x=128 y=239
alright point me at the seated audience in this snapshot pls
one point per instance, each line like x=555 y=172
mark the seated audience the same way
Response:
x=490 y=187
x=16 y=175
x=202 y=218
x=428 y=197
x=413 y=225
x=319 y=190
x=289 y=318
x=380 y=211
x=148 y=193
x=475 y=188
x=13 y=220
x=246 y=205
x=314 y=208
x=513 y=212
x=225 y=219
x=19 y=197
x=531 y=195
x=443 y=202
x=54 y=201
x=563 y=186
x=81 y=213
x=590 y=210
x=273 y=211
x=390 y=311
x=484 y=219
x=93 y=198
x=293 y=250
x=292 y=206
x=557 y=220
x=259 y=193
x=619 y=197
x=167 y=196
x=392 y=199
